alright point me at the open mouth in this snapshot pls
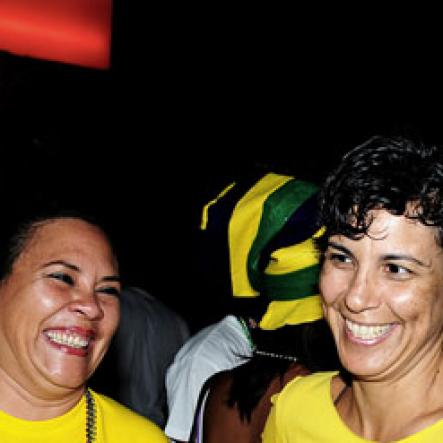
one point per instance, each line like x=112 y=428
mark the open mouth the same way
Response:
x=70 y=340
x=67 y=339
x=368 y=332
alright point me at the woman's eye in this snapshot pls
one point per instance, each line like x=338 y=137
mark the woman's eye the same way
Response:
x=109 y=291
x=338 y=257
x=393 y=268
x=65 y=278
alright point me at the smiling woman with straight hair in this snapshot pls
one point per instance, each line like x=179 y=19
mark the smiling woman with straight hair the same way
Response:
x=59 y=308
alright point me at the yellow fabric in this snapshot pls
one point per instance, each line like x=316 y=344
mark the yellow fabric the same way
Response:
x=115 y=424
x=204 y=220
x=292 y=312
x=304 y=413
x=243 y=228
x=293 y=258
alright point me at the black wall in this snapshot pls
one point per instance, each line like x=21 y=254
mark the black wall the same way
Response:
x=194 y=98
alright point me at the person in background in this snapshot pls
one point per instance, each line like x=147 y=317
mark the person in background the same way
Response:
x=382 y=293
x=267 y=226
x=239 y=400
x=134 y=369
x=59 y=297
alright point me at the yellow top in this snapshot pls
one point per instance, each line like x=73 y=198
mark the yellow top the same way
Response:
x=115 y=424
x=303 y=412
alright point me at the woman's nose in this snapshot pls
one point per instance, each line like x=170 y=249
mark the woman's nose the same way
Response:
x=361 y=294
x=86 y=303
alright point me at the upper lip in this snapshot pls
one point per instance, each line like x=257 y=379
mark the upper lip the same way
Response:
x=368 y=331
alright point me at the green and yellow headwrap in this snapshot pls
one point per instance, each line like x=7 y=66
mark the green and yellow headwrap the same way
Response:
x=271 y=248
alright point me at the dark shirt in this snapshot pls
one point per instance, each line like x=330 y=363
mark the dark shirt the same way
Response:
x=134 y=369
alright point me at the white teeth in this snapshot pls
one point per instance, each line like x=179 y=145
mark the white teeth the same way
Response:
x=68 y=339
x=366 y=332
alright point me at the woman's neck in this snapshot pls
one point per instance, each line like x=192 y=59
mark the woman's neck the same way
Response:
x=390 y=409
x=35 y=404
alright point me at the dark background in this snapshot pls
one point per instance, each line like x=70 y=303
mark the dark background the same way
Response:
x=195 y=97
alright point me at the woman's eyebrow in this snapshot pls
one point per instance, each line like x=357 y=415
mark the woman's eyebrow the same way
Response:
x=406 y=257
x=63 y=263
x=340 y=248
x=115 y=278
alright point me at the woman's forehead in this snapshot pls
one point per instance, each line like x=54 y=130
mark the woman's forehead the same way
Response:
x=67 y=235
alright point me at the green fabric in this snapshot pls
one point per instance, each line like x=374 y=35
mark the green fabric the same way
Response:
x=292 y=286
x=278 y=207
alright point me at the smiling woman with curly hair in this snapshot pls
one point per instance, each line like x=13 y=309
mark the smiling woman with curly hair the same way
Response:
x=381 y=286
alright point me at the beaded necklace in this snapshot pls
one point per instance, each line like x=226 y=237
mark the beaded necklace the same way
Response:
x=256 y=351
x=275 y=355
x=91 y=430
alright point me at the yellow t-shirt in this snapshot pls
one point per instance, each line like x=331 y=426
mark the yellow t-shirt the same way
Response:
x=114 y=423
x=303 y=412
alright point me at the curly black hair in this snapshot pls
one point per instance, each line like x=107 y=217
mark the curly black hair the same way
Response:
x=390 y=173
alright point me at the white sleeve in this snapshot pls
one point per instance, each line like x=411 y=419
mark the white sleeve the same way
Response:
x=218 y=347
x=184 y=381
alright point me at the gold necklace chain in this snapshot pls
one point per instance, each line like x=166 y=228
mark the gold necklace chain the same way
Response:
x=91 y=428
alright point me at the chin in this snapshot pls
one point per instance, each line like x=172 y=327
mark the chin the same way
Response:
x=364 y=368
x=68 y=376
